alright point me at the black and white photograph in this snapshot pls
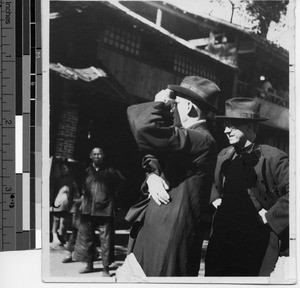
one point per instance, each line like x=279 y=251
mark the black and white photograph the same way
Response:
x=171 y=128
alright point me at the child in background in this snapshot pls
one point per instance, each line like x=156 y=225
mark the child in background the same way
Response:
x=62 y=199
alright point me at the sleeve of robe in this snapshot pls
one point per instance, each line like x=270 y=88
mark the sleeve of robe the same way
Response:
x=217 y=184
x=278 y=215
x=152 y=126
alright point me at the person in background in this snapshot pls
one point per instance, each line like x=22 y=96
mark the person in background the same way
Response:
x=179 y=161
x=75 y=222
x=251 y=193
x=61 y=201
x=267 y=88
x=100 y=188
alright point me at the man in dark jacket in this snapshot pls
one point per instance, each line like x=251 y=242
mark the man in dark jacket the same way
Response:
x=180 y=155
x=98 y=211
x=251 y=194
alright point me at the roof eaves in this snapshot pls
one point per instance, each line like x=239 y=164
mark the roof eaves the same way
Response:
x=214 y=20
x=167 y=33
x=89 y=76
x=207 y=17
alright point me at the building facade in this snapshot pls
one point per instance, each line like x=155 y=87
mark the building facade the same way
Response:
x=140 y=48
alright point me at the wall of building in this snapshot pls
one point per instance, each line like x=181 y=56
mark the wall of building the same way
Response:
x=143 y=62
x=67 y=132
x=143 y=70
x=139 y=79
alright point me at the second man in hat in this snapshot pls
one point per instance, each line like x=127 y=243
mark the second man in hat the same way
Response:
x=251 y=193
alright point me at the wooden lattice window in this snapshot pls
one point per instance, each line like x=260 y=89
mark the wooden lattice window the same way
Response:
x=122 y=39
x=187 y=65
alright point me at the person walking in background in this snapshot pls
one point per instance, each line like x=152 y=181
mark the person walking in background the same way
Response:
x=63 y=190
x=251 y=194
x=75 y=222
x=180 y=155
x=100 y=187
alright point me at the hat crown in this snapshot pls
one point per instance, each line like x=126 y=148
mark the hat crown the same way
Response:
x=243 y=108
x=199 y=90
x=204 y=87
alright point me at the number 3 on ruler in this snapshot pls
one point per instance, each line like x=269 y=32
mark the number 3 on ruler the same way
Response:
x=12 y=197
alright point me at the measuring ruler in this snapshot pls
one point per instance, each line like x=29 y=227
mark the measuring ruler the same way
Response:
x=7 y=155
x=17 y=130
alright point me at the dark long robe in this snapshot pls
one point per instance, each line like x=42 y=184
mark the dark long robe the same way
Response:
x=98 y=210
x=170 y=240
x=241 y=244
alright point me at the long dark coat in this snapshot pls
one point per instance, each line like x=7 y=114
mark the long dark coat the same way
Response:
x=270 y=191
x=97 y=208
x=99 y=190
x=169 y=242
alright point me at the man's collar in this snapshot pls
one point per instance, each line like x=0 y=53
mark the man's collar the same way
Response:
x=201 y=121
x=96 y=168
x=247 y=149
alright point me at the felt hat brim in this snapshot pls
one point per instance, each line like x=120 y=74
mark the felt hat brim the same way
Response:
x=223 y=117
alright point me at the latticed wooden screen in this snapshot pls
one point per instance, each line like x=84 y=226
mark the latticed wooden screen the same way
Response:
x=188 y=65
x=122 y=39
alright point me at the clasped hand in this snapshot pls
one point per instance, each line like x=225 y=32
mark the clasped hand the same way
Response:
x=157 y=188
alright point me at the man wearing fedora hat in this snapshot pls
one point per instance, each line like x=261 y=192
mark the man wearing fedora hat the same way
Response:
x=251 y=194
x=179 y=160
